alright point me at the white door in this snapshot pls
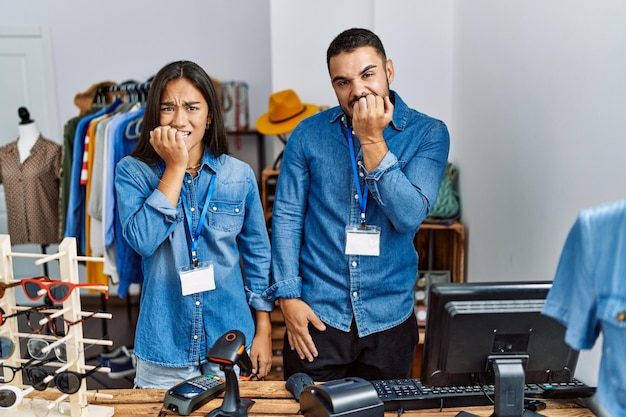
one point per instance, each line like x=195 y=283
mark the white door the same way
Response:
x=26 y=79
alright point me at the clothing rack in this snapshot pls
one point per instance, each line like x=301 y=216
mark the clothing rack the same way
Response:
x=132 y=90
x=71 y=310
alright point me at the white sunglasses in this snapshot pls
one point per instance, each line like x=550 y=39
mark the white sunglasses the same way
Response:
x=12 y=396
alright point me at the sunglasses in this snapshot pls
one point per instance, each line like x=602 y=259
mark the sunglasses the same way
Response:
x=7 y=347
x=68 y=382
x=12 y=396
x=58 y=291
x=4 y=286
x=7 y=372
x=27 y=313
x=68 y=323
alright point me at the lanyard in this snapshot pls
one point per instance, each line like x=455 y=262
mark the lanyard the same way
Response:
x=361 y=195
x=196 y=234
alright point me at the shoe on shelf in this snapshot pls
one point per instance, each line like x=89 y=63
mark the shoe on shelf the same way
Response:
x=120 y=351
x=121 y=361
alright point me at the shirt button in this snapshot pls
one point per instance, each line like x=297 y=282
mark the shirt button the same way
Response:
x=188 y=181
x=195 y=337
x=236 y=210
x=355 y=294
x=354 y=264
x=361 y=174
x=214 y=208
x=192 y=209
x=621 y=316
x=197 y=303
x=356 y=196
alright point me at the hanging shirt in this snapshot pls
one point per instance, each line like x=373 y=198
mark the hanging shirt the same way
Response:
x=32 y=192
x=588 y=295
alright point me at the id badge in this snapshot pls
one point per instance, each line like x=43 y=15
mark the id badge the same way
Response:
x=198 y=279
x=363 y=241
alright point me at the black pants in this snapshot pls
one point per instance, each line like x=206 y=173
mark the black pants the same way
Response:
x=383 y=355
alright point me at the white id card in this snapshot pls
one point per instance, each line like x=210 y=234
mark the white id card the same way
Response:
x=363 y=241
x=199 y=279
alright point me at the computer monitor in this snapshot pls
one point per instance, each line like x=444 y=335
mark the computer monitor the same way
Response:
x=494 y=333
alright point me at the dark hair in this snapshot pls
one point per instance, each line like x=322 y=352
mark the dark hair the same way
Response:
x=214 y=136
x=351 y=39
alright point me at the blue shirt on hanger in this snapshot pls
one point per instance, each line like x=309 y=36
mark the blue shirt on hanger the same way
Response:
x=588 y=295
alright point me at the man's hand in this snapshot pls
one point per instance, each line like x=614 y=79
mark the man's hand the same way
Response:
x=370 y=116
x=297 y=316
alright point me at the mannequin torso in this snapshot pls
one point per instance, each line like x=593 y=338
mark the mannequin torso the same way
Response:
x=29 y=133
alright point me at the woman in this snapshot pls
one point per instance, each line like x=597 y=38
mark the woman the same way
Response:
x=192 y=212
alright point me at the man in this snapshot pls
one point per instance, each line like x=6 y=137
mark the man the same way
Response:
x=355 y=183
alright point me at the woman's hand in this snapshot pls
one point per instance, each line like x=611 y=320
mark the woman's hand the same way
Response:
x=170 y=146
x=261 y=350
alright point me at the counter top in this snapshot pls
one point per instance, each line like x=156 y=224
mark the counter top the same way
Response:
x=272 y=399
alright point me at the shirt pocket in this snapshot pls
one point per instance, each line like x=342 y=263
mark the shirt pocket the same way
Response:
x=612 y=311
x=226 y=216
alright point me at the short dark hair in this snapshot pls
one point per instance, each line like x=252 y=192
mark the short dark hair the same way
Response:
x=351 y=39
x=214 y=136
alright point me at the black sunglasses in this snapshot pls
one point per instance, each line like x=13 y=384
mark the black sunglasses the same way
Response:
x=7 y=372
x=68 y=382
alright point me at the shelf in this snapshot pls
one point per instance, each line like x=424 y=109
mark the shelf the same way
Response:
x=260 y=138
x=441 y=249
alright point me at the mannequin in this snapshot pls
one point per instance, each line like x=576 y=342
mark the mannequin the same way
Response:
x=29 y=133
x=30 y=171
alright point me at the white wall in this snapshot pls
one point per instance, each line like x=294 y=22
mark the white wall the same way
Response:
x=538 y=103
x=417 y=36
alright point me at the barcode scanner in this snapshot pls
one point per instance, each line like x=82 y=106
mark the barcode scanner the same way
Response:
x=228 y=351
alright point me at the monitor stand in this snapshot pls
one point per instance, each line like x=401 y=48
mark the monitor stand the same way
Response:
x=509 y=385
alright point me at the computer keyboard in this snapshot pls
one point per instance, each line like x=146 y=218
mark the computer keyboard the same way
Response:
x=410 y=394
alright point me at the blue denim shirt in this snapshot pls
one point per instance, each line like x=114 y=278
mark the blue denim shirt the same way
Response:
x=588 y=295
x=175 y=330
x=316 y=198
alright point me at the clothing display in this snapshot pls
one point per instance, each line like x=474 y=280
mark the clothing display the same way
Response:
x=32 y=191
x=588 y=295
x=94 y=142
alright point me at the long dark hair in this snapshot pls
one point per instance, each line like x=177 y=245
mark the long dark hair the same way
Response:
x=214 y=137
x=351 y=39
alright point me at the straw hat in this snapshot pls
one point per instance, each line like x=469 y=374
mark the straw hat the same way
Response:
x=285 y=112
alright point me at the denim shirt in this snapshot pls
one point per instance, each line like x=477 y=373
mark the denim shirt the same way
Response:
x=175 y=330
x=588 y=295
x=316 y=197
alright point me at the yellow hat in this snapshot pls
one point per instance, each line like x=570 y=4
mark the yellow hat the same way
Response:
x=285 y=112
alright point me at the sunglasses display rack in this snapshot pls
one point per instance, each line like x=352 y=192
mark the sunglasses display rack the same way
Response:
x=77 y=402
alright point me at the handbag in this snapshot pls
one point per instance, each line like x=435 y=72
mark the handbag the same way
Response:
x=447 y=205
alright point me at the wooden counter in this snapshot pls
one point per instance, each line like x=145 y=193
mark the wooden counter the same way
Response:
x=272 y=399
